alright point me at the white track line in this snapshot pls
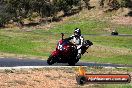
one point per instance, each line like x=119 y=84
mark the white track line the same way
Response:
x=33 y=67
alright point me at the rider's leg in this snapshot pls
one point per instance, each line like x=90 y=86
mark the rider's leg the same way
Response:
x=79 y=53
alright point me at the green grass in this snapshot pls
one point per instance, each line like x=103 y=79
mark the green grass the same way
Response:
x=123 y=59
x=23 y=43
x=124 y=29
x=112 y=41
x=87 y=27
x=106 y=49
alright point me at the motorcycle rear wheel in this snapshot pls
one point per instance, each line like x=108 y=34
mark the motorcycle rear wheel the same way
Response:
x=71 y=63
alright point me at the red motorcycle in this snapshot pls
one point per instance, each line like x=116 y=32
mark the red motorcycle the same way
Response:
x=66 y=52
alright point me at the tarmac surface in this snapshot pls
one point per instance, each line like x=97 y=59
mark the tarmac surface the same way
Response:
x=14 y=62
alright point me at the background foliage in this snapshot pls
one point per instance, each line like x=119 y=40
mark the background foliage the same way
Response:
x=17 y=10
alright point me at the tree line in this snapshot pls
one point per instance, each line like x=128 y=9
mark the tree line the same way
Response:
x=16 y=10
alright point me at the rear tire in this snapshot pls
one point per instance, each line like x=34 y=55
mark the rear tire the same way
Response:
x=71 y=63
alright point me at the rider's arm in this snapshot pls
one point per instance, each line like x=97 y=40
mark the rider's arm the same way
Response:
x=71 y=37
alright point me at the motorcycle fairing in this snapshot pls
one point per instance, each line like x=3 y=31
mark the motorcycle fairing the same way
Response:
x=55 y=53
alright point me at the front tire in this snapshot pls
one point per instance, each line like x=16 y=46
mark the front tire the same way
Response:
x=51 y=60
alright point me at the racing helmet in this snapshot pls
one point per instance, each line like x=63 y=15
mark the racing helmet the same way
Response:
x=77 y=32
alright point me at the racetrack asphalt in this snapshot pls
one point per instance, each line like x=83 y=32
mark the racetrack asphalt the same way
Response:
x=14 y=62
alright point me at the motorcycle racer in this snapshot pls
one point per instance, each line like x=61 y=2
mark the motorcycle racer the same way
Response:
x=69 y=50
x=78 y=40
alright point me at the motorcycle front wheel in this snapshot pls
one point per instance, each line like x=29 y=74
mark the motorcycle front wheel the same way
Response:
x=51 y=60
